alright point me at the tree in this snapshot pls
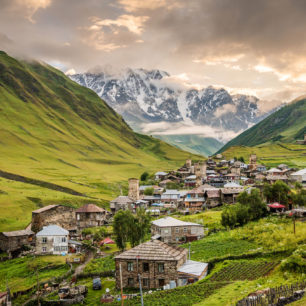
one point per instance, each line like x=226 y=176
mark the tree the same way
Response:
x=149 y=191
x=257 y=208
x=298 y=197
x=241 y=158
x=277 y=192
x=131 y=228
x=100 y=234
x=140 y=227
x=249 y=207
x=228 y=217
x=123 y=221
x=144 y=176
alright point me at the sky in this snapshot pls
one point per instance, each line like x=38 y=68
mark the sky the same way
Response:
x=246 y=46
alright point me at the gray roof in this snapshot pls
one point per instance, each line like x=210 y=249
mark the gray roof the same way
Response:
x=25 y=232
x=154 y=250
x=122 y=200
x=52 y=230
x=171 y=191
x=169 y=221
x=193 y=267
x=44 y=208
x=232 y=185
x=161 y=173
x=144 y=187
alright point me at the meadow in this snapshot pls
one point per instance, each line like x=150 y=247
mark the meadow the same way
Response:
x=271 y=154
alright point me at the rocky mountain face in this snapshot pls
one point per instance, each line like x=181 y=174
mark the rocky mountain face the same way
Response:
x=148 y=96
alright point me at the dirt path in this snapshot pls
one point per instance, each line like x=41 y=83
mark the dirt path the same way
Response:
x=79 y=269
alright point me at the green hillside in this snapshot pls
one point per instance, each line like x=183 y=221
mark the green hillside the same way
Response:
x=60 y=143
x=193 y=143
x=286 y=126
x=271 y=155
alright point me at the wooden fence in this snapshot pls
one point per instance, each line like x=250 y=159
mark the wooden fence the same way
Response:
x=278 y=296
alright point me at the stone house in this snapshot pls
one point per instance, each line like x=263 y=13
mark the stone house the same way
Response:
x=91 y=215
x=299 y=176
x=171 y=196
x=15 y=240
x=158 y=264
x=213 y=197
x=52 y=239
x=60 y=215
x=121 y=202
x=171 y=230
x=160 y=175
x=230 y=192
x=194 y=200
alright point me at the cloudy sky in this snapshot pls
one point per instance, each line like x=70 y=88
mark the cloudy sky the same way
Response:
x=247 y=46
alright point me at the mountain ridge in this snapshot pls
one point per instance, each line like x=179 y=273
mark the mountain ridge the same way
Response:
x=151 y=96
x=285 y=125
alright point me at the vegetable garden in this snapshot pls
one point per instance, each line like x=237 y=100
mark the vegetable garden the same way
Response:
x=243 y=270
x=186 y=296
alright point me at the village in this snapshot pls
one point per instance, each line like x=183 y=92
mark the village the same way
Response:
x=158 y=262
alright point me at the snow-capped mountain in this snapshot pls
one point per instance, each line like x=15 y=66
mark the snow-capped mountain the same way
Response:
x=147 y=96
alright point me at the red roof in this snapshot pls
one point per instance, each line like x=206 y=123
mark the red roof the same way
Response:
x=88 y=208
x=107 y=240
x=276 y=205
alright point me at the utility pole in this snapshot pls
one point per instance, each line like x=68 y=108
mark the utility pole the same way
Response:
x=189 y=251
x=37 y=287
x=293 y=223
x=140 y=288
x=121 y=284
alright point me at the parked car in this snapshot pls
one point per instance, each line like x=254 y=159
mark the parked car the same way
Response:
x=96 y=283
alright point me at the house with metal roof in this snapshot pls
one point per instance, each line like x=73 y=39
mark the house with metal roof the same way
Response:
x=52 y=239
x=171 y=230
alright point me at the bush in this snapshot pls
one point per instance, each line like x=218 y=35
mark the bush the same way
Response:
x=296 y=262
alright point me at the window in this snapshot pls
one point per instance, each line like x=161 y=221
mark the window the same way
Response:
x=130 y=282
x=161 y=268
x=166 y=231
x=145 y=282
x=63 y=248
x=78 y=216
x=44 y=239
x=145 y=267
x=44 y=249
x=161 y=282
x=63 y=239
x=177 y=239
x=130 y=266
x=185 y=229
x=177 y=229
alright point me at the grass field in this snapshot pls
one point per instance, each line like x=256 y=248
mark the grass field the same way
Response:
x=20 y=273
x=271 y=154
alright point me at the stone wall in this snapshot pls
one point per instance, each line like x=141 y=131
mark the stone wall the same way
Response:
x=153 y=275
x=10 y=244
x=63 y=216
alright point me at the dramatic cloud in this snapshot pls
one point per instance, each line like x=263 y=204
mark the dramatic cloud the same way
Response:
x=255 y=47
x=179 y=128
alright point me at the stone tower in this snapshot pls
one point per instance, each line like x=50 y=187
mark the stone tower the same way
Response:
x=200 y=172
x=188 y=163
x=134 y=189
x=253 y=160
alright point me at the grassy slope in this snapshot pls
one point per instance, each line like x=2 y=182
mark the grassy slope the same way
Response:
x=271 y=154
x=285 y=125
x=54 y=130
x=193 y=143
